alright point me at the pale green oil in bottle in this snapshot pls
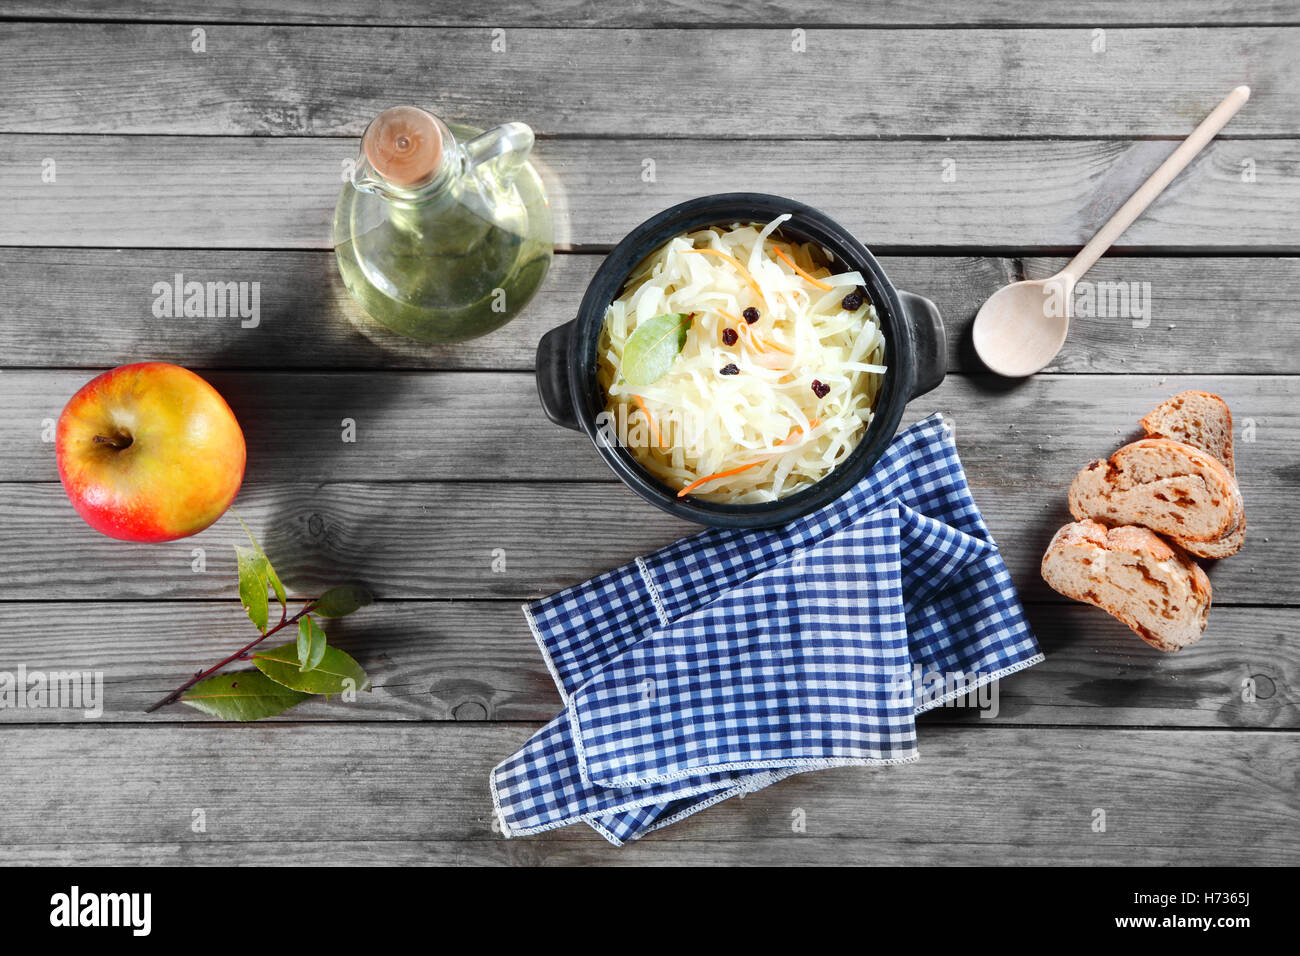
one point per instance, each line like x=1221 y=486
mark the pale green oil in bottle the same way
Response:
x=451 y=263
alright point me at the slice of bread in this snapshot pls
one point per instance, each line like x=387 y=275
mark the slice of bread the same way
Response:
x=1135 y=576
x=1167 y=486
x=1199 y=419
x=1204 y=421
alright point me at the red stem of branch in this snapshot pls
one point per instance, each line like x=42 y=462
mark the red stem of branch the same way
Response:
x=285 y=621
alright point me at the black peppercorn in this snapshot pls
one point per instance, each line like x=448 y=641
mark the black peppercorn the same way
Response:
x=730 y=369
x=751 y=315
x=820 y=389
x=729 y=336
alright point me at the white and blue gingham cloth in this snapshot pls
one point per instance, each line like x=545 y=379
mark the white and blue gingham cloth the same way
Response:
x=731 y=659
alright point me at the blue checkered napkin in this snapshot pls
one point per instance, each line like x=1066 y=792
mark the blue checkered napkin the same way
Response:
x=543 y=786
x=805 y=664
x=974 y=628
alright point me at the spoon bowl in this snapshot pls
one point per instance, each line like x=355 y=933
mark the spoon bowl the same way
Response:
x=1020 y=328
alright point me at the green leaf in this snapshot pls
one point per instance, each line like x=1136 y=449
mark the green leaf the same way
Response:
x=246 y=695
x=272 y=578
x=311 y=644
x=340 y=601
x=653 y=346
x=252 y=585
x=331 y=676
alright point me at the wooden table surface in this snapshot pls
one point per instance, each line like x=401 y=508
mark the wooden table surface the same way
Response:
x=967 y=143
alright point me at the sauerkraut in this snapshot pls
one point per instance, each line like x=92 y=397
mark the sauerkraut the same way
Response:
x=777 y=377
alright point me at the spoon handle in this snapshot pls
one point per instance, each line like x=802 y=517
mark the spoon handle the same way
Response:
x=1154 y=186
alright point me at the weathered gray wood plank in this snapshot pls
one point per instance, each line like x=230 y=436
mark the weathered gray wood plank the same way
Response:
x=68 y=307
x=882 y=850
x=1021 y=197
x=466 y=661
x=652 y=13
x=403 y=540
x=1166 y=794
x=1204 y=316
x=489 y=425
x=430 y=538
x=436 y=540
x=278 y=80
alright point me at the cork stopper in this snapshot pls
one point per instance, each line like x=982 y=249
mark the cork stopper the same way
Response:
x=404 y=145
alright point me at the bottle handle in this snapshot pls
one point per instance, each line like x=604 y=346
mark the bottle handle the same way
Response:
x=506 y=146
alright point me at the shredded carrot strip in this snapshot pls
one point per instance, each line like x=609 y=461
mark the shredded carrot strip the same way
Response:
x=791 y=263
x=721 y=474
x=744 y=273
x=653 y=427
x=739 y=468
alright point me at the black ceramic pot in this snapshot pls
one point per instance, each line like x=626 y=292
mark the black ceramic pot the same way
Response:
x=915 y=353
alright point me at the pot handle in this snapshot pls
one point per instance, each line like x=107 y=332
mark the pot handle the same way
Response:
x=553 y=376
x=931 y=344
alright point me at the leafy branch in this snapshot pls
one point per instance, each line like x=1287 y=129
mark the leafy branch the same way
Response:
x=285 y=675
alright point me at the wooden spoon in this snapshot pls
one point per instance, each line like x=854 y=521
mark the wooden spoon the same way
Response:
x=1021 y=327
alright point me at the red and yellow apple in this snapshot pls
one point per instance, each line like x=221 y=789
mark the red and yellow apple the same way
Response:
x=149 y=452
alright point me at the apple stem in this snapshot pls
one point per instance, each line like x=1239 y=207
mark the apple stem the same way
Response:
x=119 y=441
x=241 y=654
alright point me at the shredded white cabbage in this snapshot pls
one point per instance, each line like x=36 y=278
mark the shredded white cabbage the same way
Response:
x=764 y=424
